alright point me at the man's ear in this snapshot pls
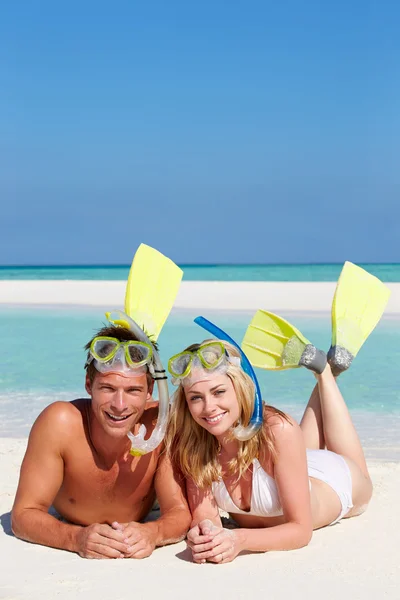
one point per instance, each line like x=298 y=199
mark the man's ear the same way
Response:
x=88 y=385
x=150 y=387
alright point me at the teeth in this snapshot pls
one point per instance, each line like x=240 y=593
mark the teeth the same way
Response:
x=115 y=418
x=214 y=419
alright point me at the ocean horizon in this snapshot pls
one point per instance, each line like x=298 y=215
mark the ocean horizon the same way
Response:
x=389 y=272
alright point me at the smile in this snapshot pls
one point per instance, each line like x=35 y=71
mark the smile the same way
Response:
x=213 y=420
x=115 y=418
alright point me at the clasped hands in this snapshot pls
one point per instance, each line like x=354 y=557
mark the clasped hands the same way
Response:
x=118 y=540
x=210 y=543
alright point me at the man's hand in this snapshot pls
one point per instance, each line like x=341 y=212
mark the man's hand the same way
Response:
x=101 y=541
x=212 y=544
x=140 y=538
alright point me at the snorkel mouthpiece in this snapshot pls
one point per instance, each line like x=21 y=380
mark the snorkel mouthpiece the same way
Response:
x=140 y=446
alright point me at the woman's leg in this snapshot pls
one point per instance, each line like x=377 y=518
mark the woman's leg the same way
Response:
x=311 y=422
x=339 y=432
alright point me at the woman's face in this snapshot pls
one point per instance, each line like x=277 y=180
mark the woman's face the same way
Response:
x=213 y=403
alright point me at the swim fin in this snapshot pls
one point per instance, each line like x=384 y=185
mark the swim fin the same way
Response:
x=151 y=289
x=358 y=304
x=272 y=343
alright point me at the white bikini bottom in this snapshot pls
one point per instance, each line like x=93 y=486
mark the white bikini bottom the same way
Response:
x=333 y=470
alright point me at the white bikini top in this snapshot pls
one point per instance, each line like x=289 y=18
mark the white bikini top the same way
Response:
x=264 y=498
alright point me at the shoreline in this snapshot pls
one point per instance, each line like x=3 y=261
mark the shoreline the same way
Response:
x=200 y=295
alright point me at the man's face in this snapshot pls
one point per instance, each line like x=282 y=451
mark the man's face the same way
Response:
x=118 y=401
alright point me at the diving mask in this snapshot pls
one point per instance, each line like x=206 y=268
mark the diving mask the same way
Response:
x=210 y=356
x=129 y=357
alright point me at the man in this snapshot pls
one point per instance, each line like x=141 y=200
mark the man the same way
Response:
x=78 y=460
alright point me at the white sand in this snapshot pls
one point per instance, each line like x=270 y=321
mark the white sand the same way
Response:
x=356 y=559
x=232 y=295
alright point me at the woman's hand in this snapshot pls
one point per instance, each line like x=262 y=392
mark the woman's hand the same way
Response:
x=210 y=543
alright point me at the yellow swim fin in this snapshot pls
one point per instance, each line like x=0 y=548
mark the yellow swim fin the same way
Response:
x=152 y=286
x=358 y=304
x=272 y=343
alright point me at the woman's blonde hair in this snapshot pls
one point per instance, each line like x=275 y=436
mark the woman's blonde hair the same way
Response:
x=195 y=450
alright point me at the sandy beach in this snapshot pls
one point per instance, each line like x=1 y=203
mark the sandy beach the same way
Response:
x=357 y=558
x=212 y=295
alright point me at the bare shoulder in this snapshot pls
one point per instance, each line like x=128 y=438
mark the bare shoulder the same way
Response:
x=281 y=425
x=59 y=420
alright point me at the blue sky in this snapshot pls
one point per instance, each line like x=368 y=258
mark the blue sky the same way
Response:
x=248 y=131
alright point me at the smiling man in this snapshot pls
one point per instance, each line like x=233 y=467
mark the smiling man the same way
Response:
x=78 y=460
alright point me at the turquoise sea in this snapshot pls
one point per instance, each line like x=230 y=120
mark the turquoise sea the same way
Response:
x=295 y=272
x=43 y=358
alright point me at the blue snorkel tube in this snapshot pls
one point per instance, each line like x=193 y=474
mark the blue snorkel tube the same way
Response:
x=240 y=432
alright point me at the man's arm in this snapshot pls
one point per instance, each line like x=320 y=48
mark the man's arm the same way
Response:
x=41 y=477
x=175 y=518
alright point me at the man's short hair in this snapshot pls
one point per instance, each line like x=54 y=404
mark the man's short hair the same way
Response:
x=121 y=334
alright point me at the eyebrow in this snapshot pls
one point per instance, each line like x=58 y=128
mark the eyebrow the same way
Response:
x=131 y=387
x=211 y=389
x=135 y=387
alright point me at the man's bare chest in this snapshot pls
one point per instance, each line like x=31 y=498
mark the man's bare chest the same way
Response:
x=97 y=492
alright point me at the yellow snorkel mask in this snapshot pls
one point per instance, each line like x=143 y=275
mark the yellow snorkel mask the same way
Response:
x=110 y=355
x=207 y=357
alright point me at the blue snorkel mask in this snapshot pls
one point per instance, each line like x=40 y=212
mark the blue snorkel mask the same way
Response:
x=240 y=432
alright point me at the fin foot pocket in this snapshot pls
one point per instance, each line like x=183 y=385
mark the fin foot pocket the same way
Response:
x=313 y=359
x=339 y=359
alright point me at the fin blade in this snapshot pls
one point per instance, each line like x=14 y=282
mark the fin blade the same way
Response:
x=358 y=304
x=272 y=343
x=151 y=289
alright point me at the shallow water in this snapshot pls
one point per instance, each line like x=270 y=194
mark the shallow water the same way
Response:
x=43 y=361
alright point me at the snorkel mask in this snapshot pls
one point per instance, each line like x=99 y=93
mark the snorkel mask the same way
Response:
x=210 y=356
x=240 y=432
x=111 y=355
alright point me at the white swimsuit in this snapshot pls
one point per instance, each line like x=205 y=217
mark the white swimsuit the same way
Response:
x=322 y=464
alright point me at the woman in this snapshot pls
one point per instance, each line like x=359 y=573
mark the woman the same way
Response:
x=277 y=491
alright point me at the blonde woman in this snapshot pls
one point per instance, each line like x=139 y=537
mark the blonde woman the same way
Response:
x=281 y=484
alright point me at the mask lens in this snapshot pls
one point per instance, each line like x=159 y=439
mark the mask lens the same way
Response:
x=211 y=354
x=138 y=354
x=104 y=348
x=178 y=365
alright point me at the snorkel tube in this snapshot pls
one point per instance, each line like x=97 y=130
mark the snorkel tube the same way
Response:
x=141 y=446
x=240 y=432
